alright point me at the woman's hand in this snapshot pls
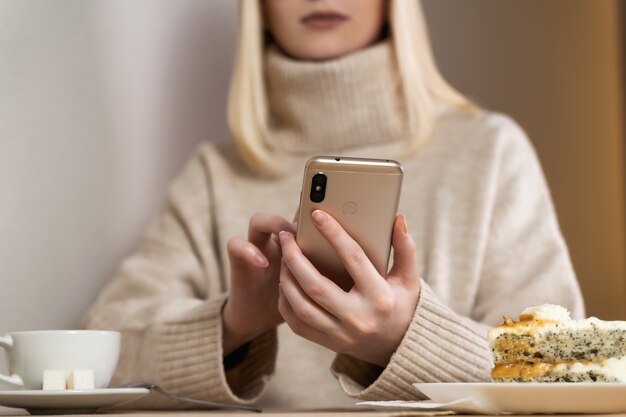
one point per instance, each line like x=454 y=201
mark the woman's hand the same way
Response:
x=251 y=308
x=370 y=320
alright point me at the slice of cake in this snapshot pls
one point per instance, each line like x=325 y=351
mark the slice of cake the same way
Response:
x=546 y=345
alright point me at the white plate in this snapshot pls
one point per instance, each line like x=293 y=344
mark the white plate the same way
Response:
x=558 y=397
x=70 y=400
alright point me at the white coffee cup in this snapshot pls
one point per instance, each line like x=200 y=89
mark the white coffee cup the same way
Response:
x=31 y=353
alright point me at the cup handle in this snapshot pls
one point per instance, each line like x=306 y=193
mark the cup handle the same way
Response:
x=6 y=342
x=14 y=380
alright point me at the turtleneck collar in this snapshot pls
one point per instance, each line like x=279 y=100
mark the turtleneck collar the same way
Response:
x=333 y=105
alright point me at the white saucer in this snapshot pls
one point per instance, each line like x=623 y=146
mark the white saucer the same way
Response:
x=70 y=400
x=524 y=398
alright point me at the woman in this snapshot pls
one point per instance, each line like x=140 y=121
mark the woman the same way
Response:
x=201 y=310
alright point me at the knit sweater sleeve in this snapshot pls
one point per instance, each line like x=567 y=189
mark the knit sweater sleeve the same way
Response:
x=166 y=300
x=525 y=262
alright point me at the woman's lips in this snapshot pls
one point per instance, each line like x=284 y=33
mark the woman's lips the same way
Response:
x=324 y=20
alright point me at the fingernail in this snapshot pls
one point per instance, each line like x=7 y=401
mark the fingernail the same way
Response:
x=406 y=228
x=283 y=237
x=260 y=261
x=319 y=217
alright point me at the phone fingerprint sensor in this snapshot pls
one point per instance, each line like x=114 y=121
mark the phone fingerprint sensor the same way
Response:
x=350 y=207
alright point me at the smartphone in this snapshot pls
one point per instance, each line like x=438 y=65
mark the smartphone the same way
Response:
x=362 y=195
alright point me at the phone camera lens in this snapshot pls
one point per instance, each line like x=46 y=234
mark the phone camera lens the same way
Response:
x=318 y=188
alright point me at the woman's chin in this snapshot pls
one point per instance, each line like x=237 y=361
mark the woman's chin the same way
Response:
x=322 y=51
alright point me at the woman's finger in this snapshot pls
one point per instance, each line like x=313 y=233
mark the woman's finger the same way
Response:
x=242 y=253
x=404 y=253
x=354 y=259
x=276 y=239
x=305 y=308
x=319 y=288
x=263 y=225
x=298 y=326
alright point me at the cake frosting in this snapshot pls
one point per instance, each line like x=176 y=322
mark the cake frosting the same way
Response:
x=551 y=312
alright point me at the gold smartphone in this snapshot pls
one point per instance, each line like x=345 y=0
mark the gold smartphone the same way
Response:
x=362 y=195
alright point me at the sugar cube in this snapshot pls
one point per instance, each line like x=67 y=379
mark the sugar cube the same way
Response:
x=53 y=380
x=81 y=379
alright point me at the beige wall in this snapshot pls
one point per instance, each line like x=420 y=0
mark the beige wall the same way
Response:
x=101 y=103
x=554 y=66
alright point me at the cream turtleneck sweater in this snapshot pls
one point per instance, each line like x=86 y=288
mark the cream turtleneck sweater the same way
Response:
x=351 y=108
x=476 y=203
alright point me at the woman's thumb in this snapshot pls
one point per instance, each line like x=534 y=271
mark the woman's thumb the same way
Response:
x=404 y=252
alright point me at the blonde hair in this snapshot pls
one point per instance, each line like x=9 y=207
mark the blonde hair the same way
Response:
x=422 y=84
